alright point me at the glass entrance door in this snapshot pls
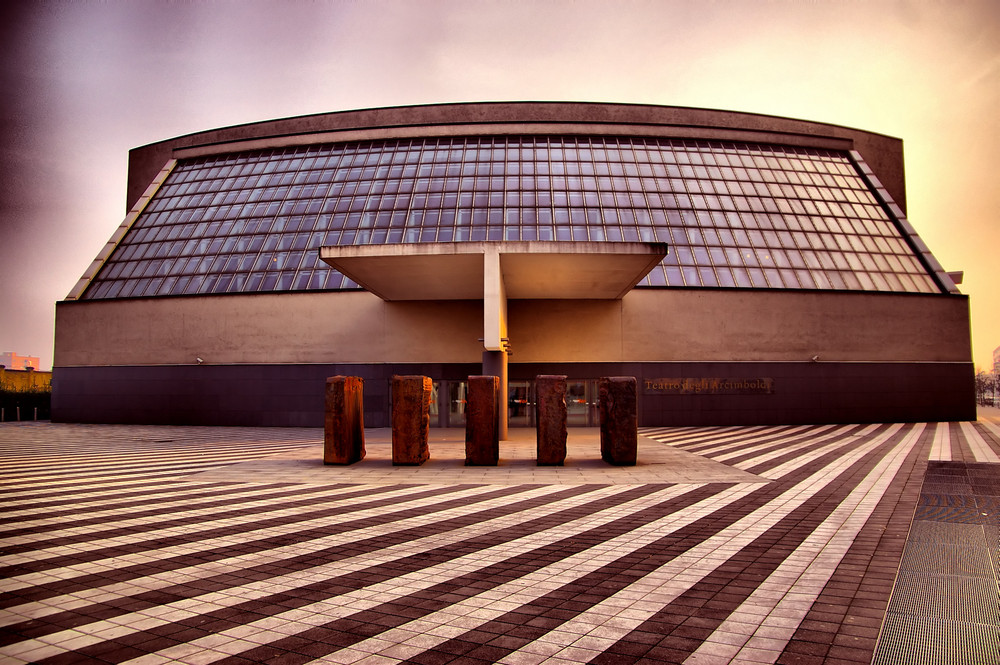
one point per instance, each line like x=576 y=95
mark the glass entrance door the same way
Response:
x=581 y=404
x=521 y=404
x=456 y=403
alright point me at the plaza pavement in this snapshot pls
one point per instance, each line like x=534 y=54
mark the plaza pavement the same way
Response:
x=796 y=544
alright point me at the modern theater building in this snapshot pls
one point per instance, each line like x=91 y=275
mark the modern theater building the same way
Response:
x=746 y=269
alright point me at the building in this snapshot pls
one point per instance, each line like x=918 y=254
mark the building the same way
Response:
x=11 y=360
x=747 y=269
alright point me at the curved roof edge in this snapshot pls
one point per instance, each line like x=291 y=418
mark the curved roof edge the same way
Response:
x=883 y=153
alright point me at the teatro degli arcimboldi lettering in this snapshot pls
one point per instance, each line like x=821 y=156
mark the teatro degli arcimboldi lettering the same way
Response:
x=709 y=386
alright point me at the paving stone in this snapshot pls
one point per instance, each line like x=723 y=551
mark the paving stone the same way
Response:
x=168 y=544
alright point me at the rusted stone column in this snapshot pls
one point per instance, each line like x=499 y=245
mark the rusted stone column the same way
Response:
x=411 y=396
x=619 y=424
x=344 y=426
x=482 y=421
x=550 y=408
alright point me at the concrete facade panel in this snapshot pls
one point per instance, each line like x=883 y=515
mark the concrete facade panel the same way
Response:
x=446 y=331
x=647 y=325
x=566 y=330
x=720 y=325
x=350 y=326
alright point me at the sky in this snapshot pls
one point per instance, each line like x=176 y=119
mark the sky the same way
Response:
x=83 y=82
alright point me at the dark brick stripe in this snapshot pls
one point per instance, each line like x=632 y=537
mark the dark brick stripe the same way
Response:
x=97 y=450
x=230 y=505
x=785 y=444
x=232 y=511
x=768 y=465
x=960 y=449
x=555 y=608
x=184 y=492
x=722 y=444
x=109 y=489
x=187 y=466
x=84 y=496
x=50 y=590
x=686 y=622
x=61 y=459
x=159 y=438
x=107 y=482
x=853 y=601
x=334 y=586
x=705 y=445
x=111 y=460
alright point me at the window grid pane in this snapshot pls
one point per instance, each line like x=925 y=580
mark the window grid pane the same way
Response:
x=773 y=217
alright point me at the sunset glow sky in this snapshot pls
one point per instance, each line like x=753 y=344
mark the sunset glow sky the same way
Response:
x=83 y=82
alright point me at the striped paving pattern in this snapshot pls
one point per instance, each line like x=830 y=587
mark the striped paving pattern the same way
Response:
x=118 y=544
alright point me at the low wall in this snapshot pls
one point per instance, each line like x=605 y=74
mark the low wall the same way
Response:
x=25 y=394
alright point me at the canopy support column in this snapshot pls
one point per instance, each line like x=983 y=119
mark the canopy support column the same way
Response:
x=495 y=341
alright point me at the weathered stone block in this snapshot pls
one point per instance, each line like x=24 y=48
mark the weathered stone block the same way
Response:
x=550 y=391
x=411 y=397
x=619 y=422
x=482 y=421
x=344 y=427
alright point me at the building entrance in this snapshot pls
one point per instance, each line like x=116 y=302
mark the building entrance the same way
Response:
x=448 y=402
x=447 y=407
x=581 y=403
x=521 y=404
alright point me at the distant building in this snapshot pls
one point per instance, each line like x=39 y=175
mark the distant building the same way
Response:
x=996 y=361
x=11 y=360
x=746 y=269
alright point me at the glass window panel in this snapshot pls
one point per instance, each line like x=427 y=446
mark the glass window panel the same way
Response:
x=381 y=176
x=725 y=276
x=707 y=277
x=879 y=280
x=851 y=280
x=757 y=277
x=788 y=279
x=907 y=283
x=836 y=279
x=742 y=277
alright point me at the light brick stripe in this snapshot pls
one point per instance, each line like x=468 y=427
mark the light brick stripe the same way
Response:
x=941 y=448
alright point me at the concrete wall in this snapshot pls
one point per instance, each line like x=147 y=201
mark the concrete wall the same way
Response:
x=350 y=326
x=882 y=357
x=292 y=395
x=672 y=325
x=648 y=325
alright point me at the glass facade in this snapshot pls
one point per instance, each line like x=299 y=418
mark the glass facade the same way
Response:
x=733 y=215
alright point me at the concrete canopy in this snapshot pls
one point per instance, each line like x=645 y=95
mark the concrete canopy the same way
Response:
x=529 y=270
